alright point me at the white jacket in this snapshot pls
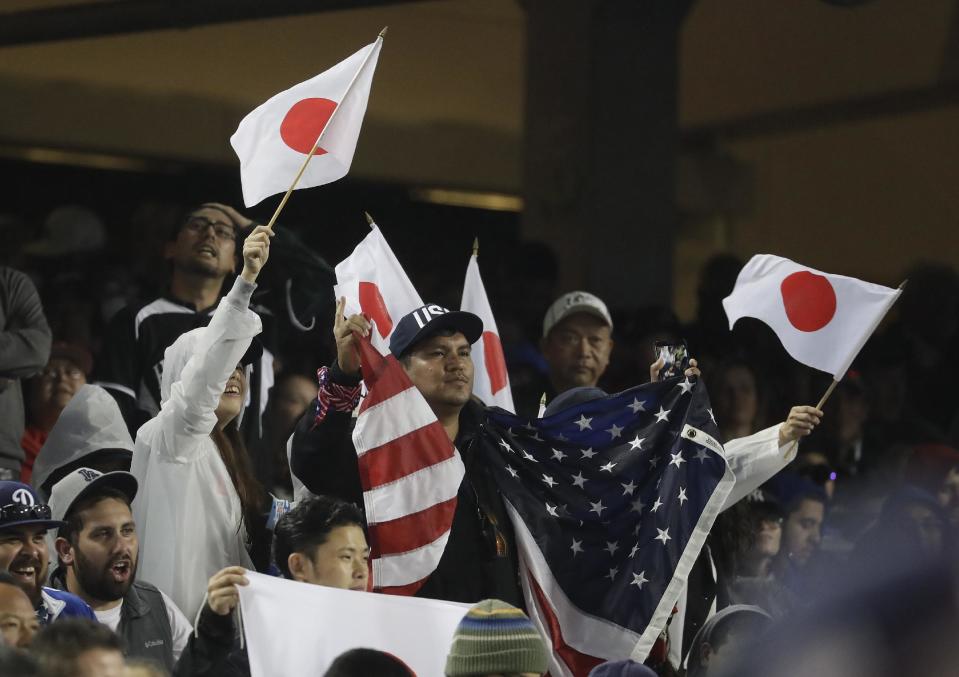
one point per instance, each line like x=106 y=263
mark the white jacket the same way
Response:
x=187 y=510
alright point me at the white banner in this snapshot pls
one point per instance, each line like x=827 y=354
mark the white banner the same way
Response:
x=295 y=628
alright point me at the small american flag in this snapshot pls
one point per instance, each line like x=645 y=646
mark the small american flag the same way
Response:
x=410 y=472
x=611 y=501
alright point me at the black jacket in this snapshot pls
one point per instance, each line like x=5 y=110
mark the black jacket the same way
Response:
x=480 y=558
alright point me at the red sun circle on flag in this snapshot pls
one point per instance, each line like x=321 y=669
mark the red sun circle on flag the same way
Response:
x=372 y=303
x=304 y=123
x=495 y=362
x=809 y=299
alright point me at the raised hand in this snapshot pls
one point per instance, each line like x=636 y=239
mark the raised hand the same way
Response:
x=801 y=421
x=347 y=354
x=256 y=251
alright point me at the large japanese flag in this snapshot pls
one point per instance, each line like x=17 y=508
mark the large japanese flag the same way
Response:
x=294 y=628
x=374 y=282
x=823 y=320
x=490 y=380
x=273 y=141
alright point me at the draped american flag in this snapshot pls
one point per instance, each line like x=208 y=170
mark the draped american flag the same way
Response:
x=611 y=501
x=410 y=472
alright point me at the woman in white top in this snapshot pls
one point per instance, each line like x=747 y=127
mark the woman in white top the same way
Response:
x=198 y=494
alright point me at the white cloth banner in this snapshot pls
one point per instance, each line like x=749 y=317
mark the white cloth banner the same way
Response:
x=823 y=320
x=295 y=628
x=490 y=378
x=374 y=282
x=273 y=141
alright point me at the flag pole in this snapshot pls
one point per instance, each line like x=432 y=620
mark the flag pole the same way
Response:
x=476 y=247
x=369 y=220
x=872 y=329
x=316 y=144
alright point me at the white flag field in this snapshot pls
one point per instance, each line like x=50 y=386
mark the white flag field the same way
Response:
x=294 y=628
x=275 y=139
x=374 y=282
x=490 y=378
x=823 y=320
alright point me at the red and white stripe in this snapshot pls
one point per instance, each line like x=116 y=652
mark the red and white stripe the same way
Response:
x=410 y=472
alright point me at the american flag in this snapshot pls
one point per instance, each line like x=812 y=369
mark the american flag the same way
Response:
x=611 y=501
x=410 y=472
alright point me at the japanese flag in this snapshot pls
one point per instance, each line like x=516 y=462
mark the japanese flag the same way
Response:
x=822 y=320
x=374 y=283
x=490 y=379
x=273 y=141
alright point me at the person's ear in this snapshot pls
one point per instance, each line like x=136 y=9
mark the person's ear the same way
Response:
x=299 y=565
x=64 y=550
x=705 y=651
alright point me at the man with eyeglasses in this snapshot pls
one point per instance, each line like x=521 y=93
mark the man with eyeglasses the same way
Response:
x=202 y=253
x=48 y=393
x=24 y=522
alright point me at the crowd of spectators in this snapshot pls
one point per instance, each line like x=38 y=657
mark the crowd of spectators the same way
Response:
x=197 y=388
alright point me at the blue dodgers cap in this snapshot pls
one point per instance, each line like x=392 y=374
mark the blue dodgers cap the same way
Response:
x=20 y=506
x=426 y=321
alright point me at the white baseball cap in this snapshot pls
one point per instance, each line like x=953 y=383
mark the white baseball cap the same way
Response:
x=572 y=303
x=81 y=482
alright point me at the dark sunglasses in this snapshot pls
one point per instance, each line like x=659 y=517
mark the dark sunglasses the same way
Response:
x=15 y=511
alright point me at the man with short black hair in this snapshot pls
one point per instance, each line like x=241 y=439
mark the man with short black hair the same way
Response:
x=79 y=648
x=24 y=521
x=433 y=345
x=98 y=552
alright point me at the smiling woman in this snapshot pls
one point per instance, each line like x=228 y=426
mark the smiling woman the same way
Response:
x=199 y=503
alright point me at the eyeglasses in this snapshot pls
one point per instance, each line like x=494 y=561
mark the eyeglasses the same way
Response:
x=199 y=224
x=18 y=512
x=70 y=372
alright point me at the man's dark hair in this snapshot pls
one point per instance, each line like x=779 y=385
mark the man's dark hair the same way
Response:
x=59 y=644
x=74 y=523
x=363 y=662
x=308 y=525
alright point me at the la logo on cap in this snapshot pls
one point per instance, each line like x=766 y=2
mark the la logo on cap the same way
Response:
x=428 y=313
x=23 y=497
x=88 y=475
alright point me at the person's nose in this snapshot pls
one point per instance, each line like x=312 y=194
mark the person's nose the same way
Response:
x=360 y=569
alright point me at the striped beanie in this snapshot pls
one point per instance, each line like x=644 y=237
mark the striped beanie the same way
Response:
x=495 y=638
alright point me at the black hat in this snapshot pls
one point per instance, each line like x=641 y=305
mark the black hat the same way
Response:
x=426 y=321
x=20 y=506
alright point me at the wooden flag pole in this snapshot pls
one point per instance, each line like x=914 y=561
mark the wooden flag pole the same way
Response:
x=476 y=247
x=369 y=220
x=316 y=145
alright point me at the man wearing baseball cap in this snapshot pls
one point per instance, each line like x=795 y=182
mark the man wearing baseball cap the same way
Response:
x=24 y=521
x=576 y=343
x=433 y=344
x=97 y=549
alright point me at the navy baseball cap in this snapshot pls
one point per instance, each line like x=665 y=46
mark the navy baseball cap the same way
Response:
x=426 y=321
x=20 y=506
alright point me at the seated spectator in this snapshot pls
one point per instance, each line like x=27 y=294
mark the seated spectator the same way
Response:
x=24 y=521
x=90 y=433
x=735 y=396
x=16 y=662
x=48 y=393
x=363 y=662
x=98 y=554
x=804 y=506
x=290 y=397
x=200 y=508
x=78 y=648
x=320 y=541
x=495 y=638
x=720 y=641
x=18 y=622
x=911 y=519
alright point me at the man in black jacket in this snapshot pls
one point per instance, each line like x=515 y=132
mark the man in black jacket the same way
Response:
x=98 y=550
x=433 y=345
